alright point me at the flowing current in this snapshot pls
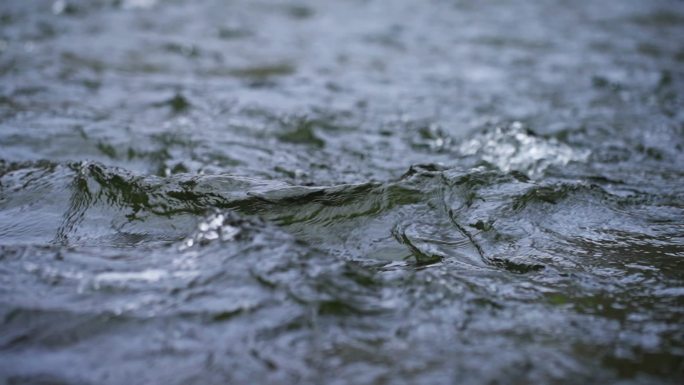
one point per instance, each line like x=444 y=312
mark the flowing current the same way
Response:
x=341 y=192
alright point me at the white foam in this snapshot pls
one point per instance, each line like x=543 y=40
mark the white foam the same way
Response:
x=513 y=148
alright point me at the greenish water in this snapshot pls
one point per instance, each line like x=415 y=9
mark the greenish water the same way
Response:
x=341 y=192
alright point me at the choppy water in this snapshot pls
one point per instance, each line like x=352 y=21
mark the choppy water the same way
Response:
x=366 y=192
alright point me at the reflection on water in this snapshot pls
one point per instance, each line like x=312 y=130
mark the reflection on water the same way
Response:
x=341 y=192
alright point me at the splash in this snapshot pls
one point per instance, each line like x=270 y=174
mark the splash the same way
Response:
x=514 y=147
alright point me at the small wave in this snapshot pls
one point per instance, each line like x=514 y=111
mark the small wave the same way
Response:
x=432 y=214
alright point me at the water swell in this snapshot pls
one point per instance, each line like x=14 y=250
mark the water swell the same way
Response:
x=474 y=216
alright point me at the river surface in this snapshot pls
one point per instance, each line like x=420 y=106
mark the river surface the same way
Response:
x=341 y=192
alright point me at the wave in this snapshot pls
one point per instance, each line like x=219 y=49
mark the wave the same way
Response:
x=477 y=218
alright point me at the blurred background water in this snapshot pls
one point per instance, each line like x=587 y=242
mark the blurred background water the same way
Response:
x=359 y=191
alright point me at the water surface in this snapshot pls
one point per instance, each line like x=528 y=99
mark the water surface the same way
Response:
x=366 y=192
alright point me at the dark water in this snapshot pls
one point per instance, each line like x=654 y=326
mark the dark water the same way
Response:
x=341 y=192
